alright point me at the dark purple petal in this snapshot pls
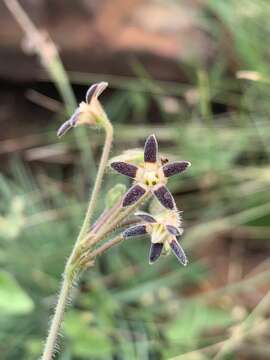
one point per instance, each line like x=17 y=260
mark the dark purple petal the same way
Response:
x=146 y=217
x=95 y=90
x=155 y=251
x=135 y=231
x=173 y=230
x=64 y=128
x=72 y=122
x=90 y=93
x=165 y=197
x=151 y=149
x=175 y=168
x=125 y=168
x=178 y=252
x=101 y=87
x=74 y=118
x=133 y=195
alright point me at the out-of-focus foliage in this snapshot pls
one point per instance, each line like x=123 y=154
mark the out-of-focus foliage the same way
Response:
x=13 y=300
x=124 y=308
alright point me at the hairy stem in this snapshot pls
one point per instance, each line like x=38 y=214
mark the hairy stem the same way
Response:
x=106 y=216
x=106 y=246
x=114 y=223
x=100 y=250
x=57 y=317
x=72 y=267
x=102 y=166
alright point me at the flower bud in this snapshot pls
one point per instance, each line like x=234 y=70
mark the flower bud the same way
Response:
x=115 y=194
x=133 y=156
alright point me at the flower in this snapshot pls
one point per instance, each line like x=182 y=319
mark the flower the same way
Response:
x=164 y=229
x=88 y=111
x=151 y=176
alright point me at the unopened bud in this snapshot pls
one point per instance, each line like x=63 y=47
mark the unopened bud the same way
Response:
x=133 y=156
x=115 y=194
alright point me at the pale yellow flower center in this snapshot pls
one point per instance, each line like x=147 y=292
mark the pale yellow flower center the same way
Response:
x=150 y=178
x=169 y=218
x=150 y=175
x=159 y=233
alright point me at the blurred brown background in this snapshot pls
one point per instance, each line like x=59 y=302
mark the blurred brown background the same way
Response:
x=195 y=73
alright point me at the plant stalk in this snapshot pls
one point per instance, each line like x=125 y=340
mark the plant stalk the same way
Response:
x=72 y=267
x=55 y=326
x=90 y=240
x=102 y=166
x=90 y=256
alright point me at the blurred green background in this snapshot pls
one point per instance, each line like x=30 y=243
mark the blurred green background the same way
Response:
x=195 y=73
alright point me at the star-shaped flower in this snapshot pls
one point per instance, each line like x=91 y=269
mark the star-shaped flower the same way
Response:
x=164 y=229
x=151 y=176
x=88 y=111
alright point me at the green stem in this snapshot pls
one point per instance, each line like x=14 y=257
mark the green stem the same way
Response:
x=100 y=250
x=102 y=166
x=113 y=224
x=106 y=216
x=106 y=246
x=55 y=326
x=72 y=267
